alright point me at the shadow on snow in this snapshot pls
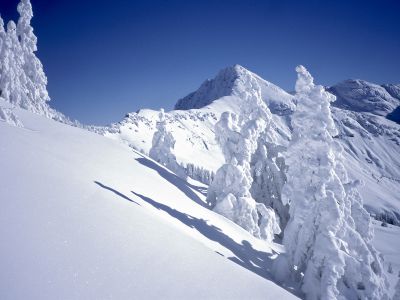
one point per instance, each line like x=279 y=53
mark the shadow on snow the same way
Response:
x=181 y=184
x=116 y=192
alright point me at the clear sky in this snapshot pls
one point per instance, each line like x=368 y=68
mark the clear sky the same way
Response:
x=106 y=58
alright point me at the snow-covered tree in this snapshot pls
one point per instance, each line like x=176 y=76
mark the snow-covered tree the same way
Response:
x=268 y=171
x=199 y=173
x=2 y=48
x=328 y=236
x=229 y=193
x=163 y=145
x=7 y=115
x=36 y=81
x=13 y=79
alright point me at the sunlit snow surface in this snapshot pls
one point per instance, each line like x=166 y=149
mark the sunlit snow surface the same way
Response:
x=387 y=241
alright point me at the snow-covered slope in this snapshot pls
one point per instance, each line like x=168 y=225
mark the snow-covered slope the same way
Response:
x=372 y=145
x=364 y=114
x=366 y=118
x=86 y=217
x=363 y=96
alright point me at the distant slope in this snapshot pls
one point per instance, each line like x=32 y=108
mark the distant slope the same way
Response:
x=365 y=114
x=363 y=96
x=85 y=217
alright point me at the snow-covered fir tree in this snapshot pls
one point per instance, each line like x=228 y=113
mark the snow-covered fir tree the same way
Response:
x=229 y=193
x=7 y=115
x=199 y=173
x=3 y=36
x=328 y=236
x=36 y=81
x=13 y=79
x=163 y=144
x=268 y=171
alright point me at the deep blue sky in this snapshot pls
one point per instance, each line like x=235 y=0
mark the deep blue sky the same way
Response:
x=106 y=58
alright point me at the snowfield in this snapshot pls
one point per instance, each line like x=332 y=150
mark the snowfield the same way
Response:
x=86 y=217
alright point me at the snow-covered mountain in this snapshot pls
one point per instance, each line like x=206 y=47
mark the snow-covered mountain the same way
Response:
x=364 y=113
x=228 y=83
x=363 y=96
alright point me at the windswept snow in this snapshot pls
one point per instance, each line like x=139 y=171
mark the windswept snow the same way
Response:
x=86 y=217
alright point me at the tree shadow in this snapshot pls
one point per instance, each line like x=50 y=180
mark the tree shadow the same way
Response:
x=245 y=255
x=181 y=184
x=116 y=192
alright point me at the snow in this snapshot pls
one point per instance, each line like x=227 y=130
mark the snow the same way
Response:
x=387 y=241
x=86 y=217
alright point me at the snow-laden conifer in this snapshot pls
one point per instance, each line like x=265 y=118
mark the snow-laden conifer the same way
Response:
x=7 y=115
x=268 y=171
x=163 y=145
x=13 y=79
x=36 y=81
x=2 y=50
x=328 y=236
x=229 y=193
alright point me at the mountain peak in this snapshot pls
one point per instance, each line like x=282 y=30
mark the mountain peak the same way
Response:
x=236 y=69
x=211 y=89
x=227 y=83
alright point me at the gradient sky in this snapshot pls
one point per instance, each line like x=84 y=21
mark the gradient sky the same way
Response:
x=106 y=58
